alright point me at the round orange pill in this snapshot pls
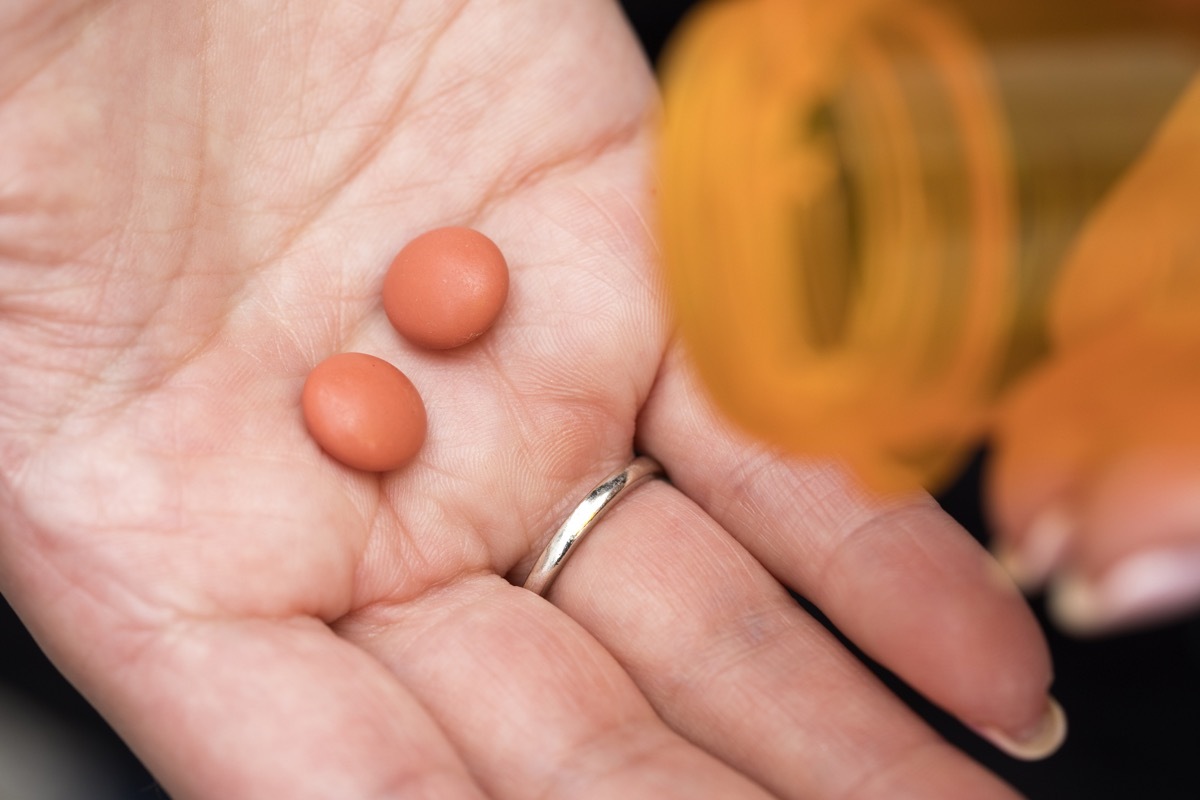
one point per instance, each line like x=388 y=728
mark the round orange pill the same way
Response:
x=446 y=287
x=364 y=412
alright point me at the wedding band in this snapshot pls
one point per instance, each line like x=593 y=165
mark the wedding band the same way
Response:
x=584 y=518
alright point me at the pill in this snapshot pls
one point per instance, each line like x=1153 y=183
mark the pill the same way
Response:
x=364 y=412
x=446 y=287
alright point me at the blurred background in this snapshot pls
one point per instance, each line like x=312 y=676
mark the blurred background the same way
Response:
x=1133 y=700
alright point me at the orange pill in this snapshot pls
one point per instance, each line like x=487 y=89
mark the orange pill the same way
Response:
x=446 y=287
x=364 y=412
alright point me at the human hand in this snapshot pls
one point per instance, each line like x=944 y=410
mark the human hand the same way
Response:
x=1098 y=456
x=199 y=200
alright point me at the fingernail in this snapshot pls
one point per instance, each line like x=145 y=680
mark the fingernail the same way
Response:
x=1037 y=742
x=1040 y=551
x=1144 y=588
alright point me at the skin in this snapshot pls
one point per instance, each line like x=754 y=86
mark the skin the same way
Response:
x=198 y=202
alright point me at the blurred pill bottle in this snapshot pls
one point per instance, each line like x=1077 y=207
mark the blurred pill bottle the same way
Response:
x=880 y=216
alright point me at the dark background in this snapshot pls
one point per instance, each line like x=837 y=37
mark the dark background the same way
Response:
x=1133 y=701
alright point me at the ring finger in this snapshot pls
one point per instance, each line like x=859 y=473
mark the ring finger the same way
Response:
x=729 y=659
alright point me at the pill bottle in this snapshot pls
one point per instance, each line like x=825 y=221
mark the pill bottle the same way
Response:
x=878 y=217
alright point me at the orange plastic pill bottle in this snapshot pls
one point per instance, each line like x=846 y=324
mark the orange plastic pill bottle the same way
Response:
x=880 y=216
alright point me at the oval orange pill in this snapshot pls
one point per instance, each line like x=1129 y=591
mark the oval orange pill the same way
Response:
x=364 y=412
x=446 y=287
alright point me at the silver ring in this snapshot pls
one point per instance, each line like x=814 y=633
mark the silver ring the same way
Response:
x=584 y=518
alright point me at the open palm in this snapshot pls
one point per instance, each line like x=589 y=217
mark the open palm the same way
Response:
x=197 y=204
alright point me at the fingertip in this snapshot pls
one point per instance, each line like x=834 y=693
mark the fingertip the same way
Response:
x=1076 y=606
x=1037 y=741
x=981 y=657
x=1033 y=558
x=1135 y=558
x=1145 y=588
